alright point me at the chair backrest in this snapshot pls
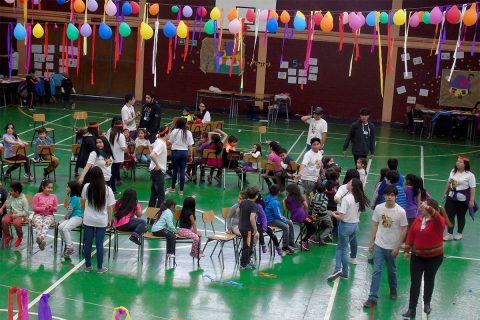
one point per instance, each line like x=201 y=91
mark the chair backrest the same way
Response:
x=38 y=117
x=218 y=125
x=267 y=165
x=143 y=150
x=46 y=150
x=249 y=158
x=208 y=216
x=225 y=213
x=177 y=213
x=29 y=198
x=131 y=148
x=151 y=212
x=293 y=166
x=207 y=126
x=65 y=202
x=75 y=148
x=196 y=128
x=80 y=115
x=262 y=129
x=210 y=154
x=234 y=156
x=1 y=152
x=16 y=149
x=174 y=121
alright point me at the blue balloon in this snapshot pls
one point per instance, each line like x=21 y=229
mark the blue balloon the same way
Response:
x=61 y=1
x=272 y=25
x=299 y=23
x=105 y=32
x=127 y=8
x=371 y=19
x=19 y=32
x=391 y=18
x=169 y=30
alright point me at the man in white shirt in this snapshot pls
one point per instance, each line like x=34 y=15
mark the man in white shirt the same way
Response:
x=310 y=168
x=317 y=127
x=158 y=169
x=388 y=232
x=129 y=116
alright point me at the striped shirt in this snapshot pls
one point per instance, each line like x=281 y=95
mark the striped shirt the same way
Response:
x=318 y=204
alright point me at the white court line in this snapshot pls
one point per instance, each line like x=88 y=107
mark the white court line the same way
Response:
x=331 y=300
x=422 y=174
x=198 y=210
x=293 y=145
x=301 y=154
x=46 y=123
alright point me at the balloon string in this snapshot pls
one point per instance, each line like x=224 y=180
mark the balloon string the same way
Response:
x=115 y=57
x=154 y=54
x=389 y=43
x=92 y=78
x=357 y=47
x=221 y=31
x=187 y=40
x=85 y=43
x=29 y=47
x=474 y=40
x=79 y=45
x=464 y=7
x=64 y=47
x=440 y=45
x=405 y=37
x=380 y=59
x=46 y=50
x=234 y=56
x=434 y=40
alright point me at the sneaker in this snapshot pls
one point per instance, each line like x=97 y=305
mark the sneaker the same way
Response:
x=88 y=269
x=369 y=303
x=288 y=251
x=170 y=190
x=264 y=249
x=448 y=237
x=180 y=193
x=393 y=294
x=247 y=267
x=409 y=314
x=353 y=261
x=294 y=249
x=334 y=276
x=28 y=176
x=426 y=308
x=39 y=240
x=18 y=242
x=312 y=240
x=134 y=237
x=280 y=252
x=305 y=246
x=344 y=276
x=7 y=240
x=170 y=256
x=68 y=251
x=458 y=236
x=42 y=244
x=102 y=270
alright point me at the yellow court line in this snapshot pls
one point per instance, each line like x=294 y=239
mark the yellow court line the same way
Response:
x=21 y=111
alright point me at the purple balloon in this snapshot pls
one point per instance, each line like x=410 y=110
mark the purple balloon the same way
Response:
x=354 y=21
x=362 y=18
x=92 y=5
x=86 y=30
x=187 y=11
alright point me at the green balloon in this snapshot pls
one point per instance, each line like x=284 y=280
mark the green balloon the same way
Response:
x=174 y=9
x=209 y=27
x=124 y=29
x=72 y=32
x=384 y=17
x=426 y=17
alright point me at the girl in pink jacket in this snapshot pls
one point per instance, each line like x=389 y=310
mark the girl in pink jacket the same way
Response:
x=44 y=205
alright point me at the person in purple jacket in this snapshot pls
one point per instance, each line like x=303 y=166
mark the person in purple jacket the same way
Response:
x=262 y=226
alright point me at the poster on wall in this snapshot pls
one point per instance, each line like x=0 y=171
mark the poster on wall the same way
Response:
x=208 y=60
x=463 y=90
x=242 y=6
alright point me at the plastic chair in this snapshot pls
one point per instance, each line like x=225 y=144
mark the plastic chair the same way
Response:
x=39 y=118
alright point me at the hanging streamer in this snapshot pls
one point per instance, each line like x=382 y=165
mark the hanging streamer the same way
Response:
x=24 y=315
x=116 y=53
x=92 y=78
x=340 y=27
x=464 y=7
x=380 y=60
x=154 y=53
x=439 y=51
x=187 y=41
x=441 y=33
x=256 y=34
x=474 y=39
x=28 y=47
x=139 y=44
x=265 y=33
x=357 y=47
x=215 y=40
x=234 y=56
x=221 y=31
x=194 y=29
x=11 y=292
x=407 y=28
x=179 y=15
x=64 y=48
x=169 y=65
x=311 y=26
x=285 y=31
x=9 y=48
x=434 y=40
x=44 y=311
x=46 y=50
x=374 y=39
x=79 y=45
x=242 y=21
x=389 y=43
x=85 y=46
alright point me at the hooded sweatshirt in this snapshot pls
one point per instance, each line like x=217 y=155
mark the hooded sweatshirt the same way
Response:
x=273 y=210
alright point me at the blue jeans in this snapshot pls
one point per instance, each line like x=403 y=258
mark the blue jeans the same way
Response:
x=346 y=232
x=179 y=162
x=99 y=234
x=353 y=247
x=380 y=256
x=115 y=176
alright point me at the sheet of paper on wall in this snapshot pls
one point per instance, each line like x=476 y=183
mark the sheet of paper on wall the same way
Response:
x=417 y=60
x=292 y=72
x=49 y=65
x=460 y=55
x=423 y=92
x=302 y=80
x=407 y=75
x=38 y=65
x=69 y=50
x=38 y=57
x=302 y=73
x=72 y=63
x=60 y=69
x=312 y=77
x=50 y=58
x=411 y=100
x=51 y=48
x=38 y=74
x=313 y=69
x=292 y=79
x=445 y=55
x=407 y=57
x=401 y=90
x=313 y=61
x=284 y=65
x=282 y=75
x=37 y=48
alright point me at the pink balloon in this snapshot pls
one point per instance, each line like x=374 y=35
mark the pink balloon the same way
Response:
x=111 y=9
x=436 y=16
x=235 y=26
x=263 y=16
x=414 y=20
x=362 y=18
x=345 y=17
x=354 y=21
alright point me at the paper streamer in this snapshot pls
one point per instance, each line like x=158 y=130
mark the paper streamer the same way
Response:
x=439 y=51
x=187 y=41
x=85 y=46
x=44 y=311
x=233 y=283
x=389 y=44
x=139 y=43
x=79 y=45
x=195 y=28
x=28 y=47
x=64 y=46
x=179 y=15
x=340 y=27
x=11 y=292
x=406 y=29
x=169 y=64
x=234 y=56
x=311 y=27
x=92 y=78
x=374 y=40
x=285 y=31
x=25 y=315
x=119 y=312
x=380 y=60
x=9 y=48
x=257 y=21
x=357 y=47
x=464 y=7
x=154 y=53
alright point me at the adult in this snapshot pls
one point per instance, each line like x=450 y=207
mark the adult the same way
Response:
x=309 y=170
x=14 y=54
x=388 y=231
x=182 y=142
x=119 y=147
x=204 y=113
x=460 y=196
x=87 y=146
x=362 y=136
x=425 y=241
x=317 y=127
x=158 y=169
x=150 y=117
x=129 y=116
x=10 y=139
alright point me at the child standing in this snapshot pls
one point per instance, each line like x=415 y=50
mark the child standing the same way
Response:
x=247 y=225
x=127 y=212
x=413 y=197
x=129 y=141
x=74 y=216
x=44 y=140
x=144 y=142
x=188 y=226
x=44 y=205
x=164 y=226
x=119 y=147
x=32 y=80
x=376 y=196
x=362 y=169
x=17 y=213
x=320 y=213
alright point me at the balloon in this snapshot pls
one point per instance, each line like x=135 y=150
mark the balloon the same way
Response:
x=362 y=18
x=182 y=30
x=202 y=12
x=263 y=16
x=300 y=14
x=72 y=32
x=272 y=25
x=86 y=30
x=92 y=5
x=453 y=15
x=146 y=31
x=135 y=7
x=215 y=14
x=251 y=16
x=104 y=31
x=209 y=27
x=327 y=22
x=79 y=6
x=127 y=8
x=61 y=2
x=354 y=21
x=299 y=23
x=124 y=29
x=153 y=9
x=426 y=17
x=436 y=16
x=470 y=17
x=9 y=1
x=285 y=17
x=317 y=18
x=187 y=11
x=345 y=17
x=383 y=17
x=371 y=19
x=273 y=14
x=235 y=26
x=110 y=8
x=35 y=2
x=37 y=31
x=399 y=17
x=169 y=30
x=232 y=14
x=174 y=9
x=19 y=32
x=420 y=15
x=414 y=20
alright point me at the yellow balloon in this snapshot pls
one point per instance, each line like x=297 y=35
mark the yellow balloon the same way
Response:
x=37 y=31
x=399 y=17
x=328 y=15
x=182 y=30
x=215 y=14
x=146 y=31
x=300 y=14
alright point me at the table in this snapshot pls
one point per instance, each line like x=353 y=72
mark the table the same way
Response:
x=9 y=85
x=205 y=93
x=470 y=117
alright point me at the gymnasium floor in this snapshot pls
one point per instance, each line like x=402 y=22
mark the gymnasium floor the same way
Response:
x=298 y=288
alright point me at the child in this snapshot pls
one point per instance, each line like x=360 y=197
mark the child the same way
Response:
x=144 y=142
x=232 y=219
x=248 y=227
x=319 y=212
x=255 y=153
x=216 y=143
x=297 y=204
x=277 y=174
x=127 y=165
x=3 y=203
x=262 y=226
x=330 y=191
x=44 y=140
x=362 y=169
x=67 y=90
x=376 y=196
x=231 y=146
x=187 y=116
x=119 y=147
x=164 y=226
x=101 y=158
x=188 y=226
x=286 y=159
x=17 y=214
x=74 y=216
x=78 y=140
x=32 y=80
x=44 y=205
x=392 y=178
x=202 y=144
x=127 y=212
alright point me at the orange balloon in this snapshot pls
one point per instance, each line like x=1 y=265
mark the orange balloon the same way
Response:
x=79 y=6
x=232 y=14
x=327 y=22
x=273 y=14
x=470 y=16
x=420 y=15
x=285 y=17
x=153 y=9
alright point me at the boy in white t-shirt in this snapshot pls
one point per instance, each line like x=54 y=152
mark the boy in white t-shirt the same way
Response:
x=129 y=116
x=388 y=231
x=317 y=127
x=309 y=170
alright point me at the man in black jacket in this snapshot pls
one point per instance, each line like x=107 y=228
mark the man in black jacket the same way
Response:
x=150 y=116
x=362 y=136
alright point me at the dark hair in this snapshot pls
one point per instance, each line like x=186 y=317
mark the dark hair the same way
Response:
x=315 y=139
x=79 y=134
x=127 y=203
x=391 y=189
x=332 y=174
x=252 y=192
x=383 y=174
x=259 y=147
x=392 y=163
x=16 y=187
x=467 y=166
x=13 y=127
x=114 y=120
x=142 y=130
x=363 y=161
x=364 y=112
x=359 y=195
x=329 y=185
x=41 y=130
x=75 y=188
x=393 y=176
x=106 y=146
x=434 y=204
x=232 y=138
x=295 y=193
x=164 y=206
x=151 y=94
x=325 y=161
x=182 y=125
x=93 y=130
x=350 y=174
x=128 y=97
x=115 y=131
x=421 y=189
x=162 y=129
x=188 y=208
x=217 y=143
x=274 y=189
x=410 y=181
x=31 y=70
x=275 y=147
x=97 y=190
x=243 y=195
x=320 y=187
x=44 y=184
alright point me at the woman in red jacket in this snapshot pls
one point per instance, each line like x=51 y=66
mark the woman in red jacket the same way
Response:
x=425 y=241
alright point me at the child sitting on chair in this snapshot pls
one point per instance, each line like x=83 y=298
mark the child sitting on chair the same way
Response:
x=320 y=214
x=44 y=205
x=187 y=116
x=44 y=140
x=144 y=142
x=126 y=166
x=17 y=213
x=164 y=226
x=255 y=153
x=73 y=218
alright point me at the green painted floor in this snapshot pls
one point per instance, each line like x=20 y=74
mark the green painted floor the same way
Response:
x=300 y=289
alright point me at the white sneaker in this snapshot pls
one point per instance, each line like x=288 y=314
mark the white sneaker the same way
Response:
x=353 y=261
x=448 y=237
x=458 y=236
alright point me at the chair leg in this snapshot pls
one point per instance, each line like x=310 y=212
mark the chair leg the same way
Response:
x=214 y=248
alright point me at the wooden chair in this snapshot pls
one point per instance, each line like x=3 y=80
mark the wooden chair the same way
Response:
x=218 y=125
x=140 y=250
x=196 y=129
x=192 y=164
x=39 y=118
x=267 y=166
x=132 y=162
x=45 y=154
x=233 y=156
x=258 y=161
x=29 y=223
x=221 y=237
x=17 y=150
x=73 y=159
x=207 y=126
x=2 y=175
x=79 y=116
x=262 y=131
x=292 y=167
